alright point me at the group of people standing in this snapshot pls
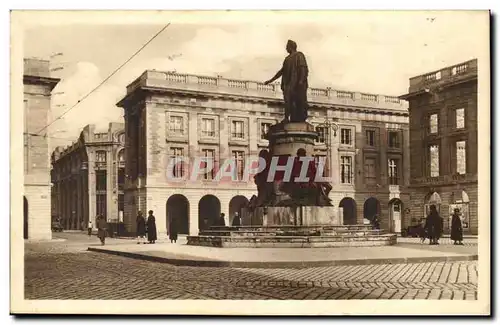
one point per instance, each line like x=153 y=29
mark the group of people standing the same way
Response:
x=146 y=227
x=433 y=227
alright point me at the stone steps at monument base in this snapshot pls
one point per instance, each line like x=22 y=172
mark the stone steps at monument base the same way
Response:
x=293 y=228
x=293 y=241
x=314 y=233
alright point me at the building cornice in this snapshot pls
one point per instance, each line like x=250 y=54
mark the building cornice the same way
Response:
x=38 y=80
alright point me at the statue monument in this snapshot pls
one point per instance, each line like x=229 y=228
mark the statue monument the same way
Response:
x=293 y=73
x=291 y=210
x=292 y=138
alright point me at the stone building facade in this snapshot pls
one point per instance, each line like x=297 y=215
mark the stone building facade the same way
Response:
x=170 y=115
x=88 y=177
x=443 y=142
x=38 y=86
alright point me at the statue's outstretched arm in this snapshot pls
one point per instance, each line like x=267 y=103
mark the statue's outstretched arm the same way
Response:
x=276 y=76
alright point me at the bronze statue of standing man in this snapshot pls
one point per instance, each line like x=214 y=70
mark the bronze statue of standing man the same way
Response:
x=294 y=84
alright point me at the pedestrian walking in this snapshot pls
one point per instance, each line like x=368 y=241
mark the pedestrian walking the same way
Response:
x=376 y=223
x=89 y=228
x=151 y=227
x=222 y=220
x=102 y=227
x=433 y=226
x=172 y=230
x=457 y=234
x=236 y=220
x=141 y=228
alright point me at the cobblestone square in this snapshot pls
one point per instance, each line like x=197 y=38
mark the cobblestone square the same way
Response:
x=66 y=270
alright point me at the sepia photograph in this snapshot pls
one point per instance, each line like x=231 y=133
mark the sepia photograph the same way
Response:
x=255 y=157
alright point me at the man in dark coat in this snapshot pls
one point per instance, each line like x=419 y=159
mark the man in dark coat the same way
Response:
x=222 y=220
x=172 y=230
x=236 y=220
x=293 y=73
x=151 y=227
x=102 y=227
x=141 y=228
x=433 y=226
x=456 y=228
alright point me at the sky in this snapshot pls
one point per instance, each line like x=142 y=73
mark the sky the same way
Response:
x=366 y=52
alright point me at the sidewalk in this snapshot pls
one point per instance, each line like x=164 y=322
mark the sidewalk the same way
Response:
x=181 y=254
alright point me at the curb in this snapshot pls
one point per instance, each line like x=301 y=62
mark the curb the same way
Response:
x=285 y=264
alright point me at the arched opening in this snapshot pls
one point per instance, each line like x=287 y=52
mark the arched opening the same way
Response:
x=236 y=204
x=432 y=198
x=208 y=211
x=371 y=208
x=395 y=215
x=178 y=208
x=347 y=207
x=25 y=217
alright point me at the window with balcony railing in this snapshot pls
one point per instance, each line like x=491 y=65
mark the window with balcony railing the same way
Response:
x=100 y=156
x=208 y=161
x=178 y=165
x=393 y=171
x=370 y=171
x=434 y=160
x=393 y=138
x=239 y=159
x=322 y=134
x=346 y=176
x=176 y=125
x=264 y=128
x=460 y=147
x=433 y=124
x=208 y=127
x=237 y=129
x=346 y=136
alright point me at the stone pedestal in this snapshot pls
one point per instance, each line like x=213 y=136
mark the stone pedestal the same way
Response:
x=287 y=138
x=291 y=216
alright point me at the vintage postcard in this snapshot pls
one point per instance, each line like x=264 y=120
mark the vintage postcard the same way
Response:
x=289 y=163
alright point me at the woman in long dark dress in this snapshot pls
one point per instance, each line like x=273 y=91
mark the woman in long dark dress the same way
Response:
x=141 y=228
x=151 y=227
x=172 y=230
x=456 y=228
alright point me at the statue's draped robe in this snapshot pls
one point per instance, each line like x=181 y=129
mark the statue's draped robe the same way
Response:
x=294 y=85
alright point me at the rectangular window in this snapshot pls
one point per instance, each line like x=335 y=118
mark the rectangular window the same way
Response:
x=101 y=204
x=393 y=172
x=121 y=179
x=370 y=171
x=239 y=160
x=433 y=123
x=346 y=170
x=346 y=136
x=461 y=157
x=121 y=202
x=322 y=134
x=434 y=160
x=100 y=156
x=264 y=128
x=101 y=180
x=237 y=129
x=176 y=154
x=370 y=138
x=176 y=125
x=394 y=139
x=460 y=118
x=208 y=160
x=208 y=127
x=326 y=164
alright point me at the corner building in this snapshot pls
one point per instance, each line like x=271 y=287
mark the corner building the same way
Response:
x=88 y=177
x=443 y=142
x=172 y=115
x=38 y=86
